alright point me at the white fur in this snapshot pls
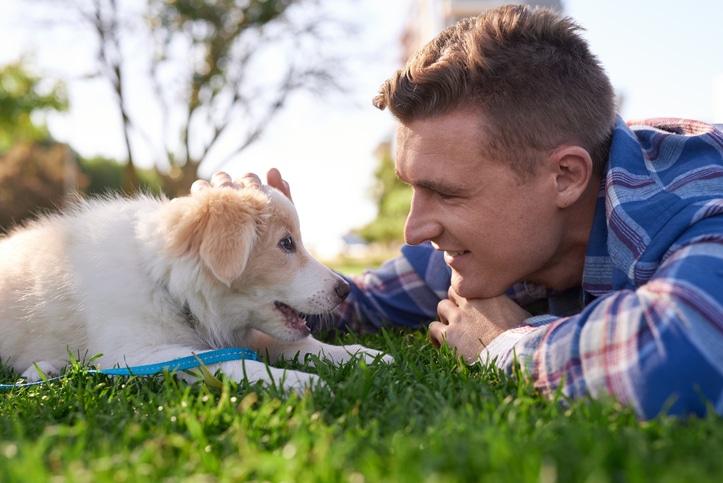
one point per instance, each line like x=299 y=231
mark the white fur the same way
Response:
x=105 y=278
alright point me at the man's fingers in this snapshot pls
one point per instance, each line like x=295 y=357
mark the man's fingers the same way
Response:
x=437 y=331
x=250 y=179
x=445 y=308
x=221 y=179
x=199 y=185
x=274 y=179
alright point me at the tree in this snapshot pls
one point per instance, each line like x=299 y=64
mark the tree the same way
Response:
x=35 y=173
x=24 y=98
x=103 y=176
x=393 y=198
x=219 y=72
x=35 y=178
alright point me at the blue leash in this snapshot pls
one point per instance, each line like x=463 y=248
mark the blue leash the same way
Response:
x=181 y=364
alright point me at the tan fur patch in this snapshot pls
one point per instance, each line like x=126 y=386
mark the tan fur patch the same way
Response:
x=268 y=265
x=219 y=226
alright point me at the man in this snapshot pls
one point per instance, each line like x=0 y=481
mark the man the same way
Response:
x=528 y=188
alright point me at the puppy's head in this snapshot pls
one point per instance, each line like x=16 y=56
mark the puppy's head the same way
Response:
x=248 y=244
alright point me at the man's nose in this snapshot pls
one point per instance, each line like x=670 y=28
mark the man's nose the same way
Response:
x=421 y=225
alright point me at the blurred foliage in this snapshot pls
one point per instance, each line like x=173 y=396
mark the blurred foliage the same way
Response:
x=105 y=176
x=24 y=96
x=38 y=178
x=393 y=199
x=211 y=51
x=35 y=178
x=35 y=172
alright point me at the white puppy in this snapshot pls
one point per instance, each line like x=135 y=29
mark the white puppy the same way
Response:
x=146 y=280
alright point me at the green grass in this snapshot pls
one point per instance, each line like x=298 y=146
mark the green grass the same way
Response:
x=426 y=417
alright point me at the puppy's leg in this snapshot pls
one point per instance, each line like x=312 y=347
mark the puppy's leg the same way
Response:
x=253 y=371
x=32 y=373
x=239 y=371
x=276 y=350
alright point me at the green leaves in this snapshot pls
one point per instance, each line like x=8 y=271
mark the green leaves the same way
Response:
x=24 y=96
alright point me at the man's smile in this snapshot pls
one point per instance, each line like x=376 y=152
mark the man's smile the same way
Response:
x=450 y=256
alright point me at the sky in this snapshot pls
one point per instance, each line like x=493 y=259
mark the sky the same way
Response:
x=663 y=57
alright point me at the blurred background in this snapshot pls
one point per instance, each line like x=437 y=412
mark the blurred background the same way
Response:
x=128 y=95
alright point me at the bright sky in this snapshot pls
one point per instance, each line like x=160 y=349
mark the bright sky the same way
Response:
x=662 y=56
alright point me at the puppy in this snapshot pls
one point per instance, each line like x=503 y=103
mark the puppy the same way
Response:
x=148 y=280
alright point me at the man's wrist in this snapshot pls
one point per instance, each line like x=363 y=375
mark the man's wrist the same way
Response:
x=503 y=343
x=500 y=346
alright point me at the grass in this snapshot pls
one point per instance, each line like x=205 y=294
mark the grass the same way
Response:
x=426 y=417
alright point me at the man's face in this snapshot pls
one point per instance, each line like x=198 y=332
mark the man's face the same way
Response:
x=494 y=228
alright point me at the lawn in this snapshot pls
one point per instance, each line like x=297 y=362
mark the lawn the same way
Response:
x=427 y=417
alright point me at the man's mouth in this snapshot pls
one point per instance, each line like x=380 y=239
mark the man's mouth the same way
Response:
x=455 y=253
x=293 y=318
x=451 y=256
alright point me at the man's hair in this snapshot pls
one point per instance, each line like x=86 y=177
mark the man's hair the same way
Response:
x=528 y=73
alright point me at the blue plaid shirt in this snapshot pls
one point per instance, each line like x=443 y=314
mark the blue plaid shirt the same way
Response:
x=647 y=324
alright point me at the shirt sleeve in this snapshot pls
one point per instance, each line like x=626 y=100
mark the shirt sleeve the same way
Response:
x=658 y=348
x=403 y=292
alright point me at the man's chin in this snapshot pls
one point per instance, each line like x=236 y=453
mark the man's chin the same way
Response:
x=470 y=290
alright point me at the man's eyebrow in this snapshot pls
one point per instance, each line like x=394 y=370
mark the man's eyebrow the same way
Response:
x=437 y=187
x=434 y=186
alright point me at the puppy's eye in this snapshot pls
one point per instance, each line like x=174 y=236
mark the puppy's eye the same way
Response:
x=287 y=244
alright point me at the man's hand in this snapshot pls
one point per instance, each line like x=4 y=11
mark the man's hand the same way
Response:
x=468 y=325
x=221 y=179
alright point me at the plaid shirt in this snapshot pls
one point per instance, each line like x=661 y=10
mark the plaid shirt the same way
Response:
x=647 y=324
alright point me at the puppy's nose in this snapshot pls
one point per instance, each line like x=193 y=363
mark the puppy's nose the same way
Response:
x=342 y=289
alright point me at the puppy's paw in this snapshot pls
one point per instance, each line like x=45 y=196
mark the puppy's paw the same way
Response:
x=299 y=381
x=372 y=355
x=286 y=379
x=32 y=373
x=343 y=353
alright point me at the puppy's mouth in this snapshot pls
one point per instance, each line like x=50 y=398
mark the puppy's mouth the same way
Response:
x=293 y=318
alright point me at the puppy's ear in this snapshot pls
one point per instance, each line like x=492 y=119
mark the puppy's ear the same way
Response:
x=219 y=227
x=230 y=234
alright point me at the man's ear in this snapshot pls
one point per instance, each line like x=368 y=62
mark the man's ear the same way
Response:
x=573 y=171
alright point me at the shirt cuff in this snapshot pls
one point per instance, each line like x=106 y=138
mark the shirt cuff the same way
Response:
x=503 y=343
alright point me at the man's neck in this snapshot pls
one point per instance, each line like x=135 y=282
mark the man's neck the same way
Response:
x=566 y=271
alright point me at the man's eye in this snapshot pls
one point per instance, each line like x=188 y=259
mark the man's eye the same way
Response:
x=287 y=244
